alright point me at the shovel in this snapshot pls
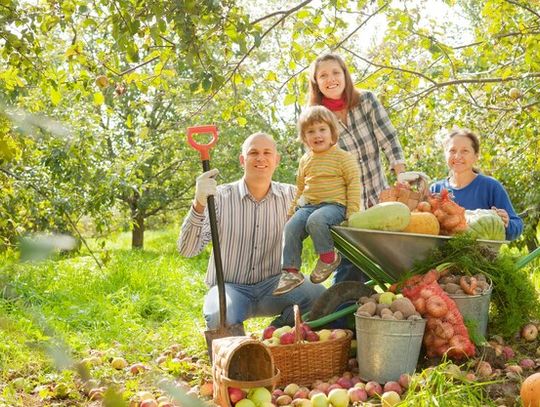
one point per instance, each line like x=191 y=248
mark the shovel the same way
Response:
x=223 y=330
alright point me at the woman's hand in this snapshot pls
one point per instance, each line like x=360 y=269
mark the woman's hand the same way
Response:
x=503 y=214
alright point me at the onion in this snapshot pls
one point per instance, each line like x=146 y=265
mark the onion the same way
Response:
x=483 y=369
x=420 y=305
x=436 y=307
x=444 y=330
x=527 y=363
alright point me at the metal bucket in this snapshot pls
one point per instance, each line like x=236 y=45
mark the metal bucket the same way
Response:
x=387 y=348
x=475 y=308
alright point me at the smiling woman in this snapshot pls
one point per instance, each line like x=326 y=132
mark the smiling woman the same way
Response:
x=470 y=188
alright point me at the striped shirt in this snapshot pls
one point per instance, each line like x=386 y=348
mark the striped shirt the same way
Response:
x=250 y=232
x=332 y=176
x=368 y=131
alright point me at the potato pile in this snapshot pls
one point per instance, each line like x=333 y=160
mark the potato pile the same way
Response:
x=455 y=284
x=450 y=215
x=445 y=329
x=387 y=306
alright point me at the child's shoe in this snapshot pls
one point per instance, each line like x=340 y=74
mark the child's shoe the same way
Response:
x=323 y=270
x=288 y=281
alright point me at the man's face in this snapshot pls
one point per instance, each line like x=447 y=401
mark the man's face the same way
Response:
x=259 y=158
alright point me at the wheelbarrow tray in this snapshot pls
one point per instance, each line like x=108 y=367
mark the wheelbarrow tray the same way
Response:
x=392 y=253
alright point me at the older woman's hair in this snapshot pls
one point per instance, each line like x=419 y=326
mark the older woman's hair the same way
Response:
x=315 y=94
x=317 y=114
x=464 y=133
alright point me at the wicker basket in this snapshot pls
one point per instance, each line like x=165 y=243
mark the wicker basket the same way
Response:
x=407 y=195
x=304 y=362
x=241 y=362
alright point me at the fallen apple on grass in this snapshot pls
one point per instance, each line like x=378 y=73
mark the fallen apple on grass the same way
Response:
x=390 y=399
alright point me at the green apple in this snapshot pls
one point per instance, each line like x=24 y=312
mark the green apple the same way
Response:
x=387 y=298
x=319 y=400
x=245 y=403
x=280 y=331
x=390 y=399
x=291 y=389
x=259 y=395
x=324 y=334
x=339 y=397
x=514 y=93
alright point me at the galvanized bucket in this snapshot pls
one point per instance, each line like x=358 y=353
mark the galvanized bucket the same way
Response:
x=475 y=308
x=387 y=348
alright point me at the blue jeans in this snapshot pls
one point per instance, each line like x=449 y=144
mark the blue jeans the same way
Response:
x=312 y=220
x=256 y=300
x=347 y=271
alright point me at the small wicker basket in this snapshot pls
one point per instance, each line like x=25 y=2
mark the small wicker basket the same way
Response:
x=304 y=362
x=241 y=362
x=406 y=194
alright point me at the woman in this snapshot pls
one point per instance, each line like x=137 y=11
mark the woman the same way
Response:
x=471 y=189
x=364 y=129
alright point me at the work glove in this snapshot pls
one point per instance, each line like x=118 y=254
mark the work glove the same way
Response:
x=206 y=185
x=412 y=176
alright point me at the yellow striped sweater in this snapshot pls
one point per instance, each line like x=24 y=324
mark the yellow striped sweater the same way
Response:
x=330 y=176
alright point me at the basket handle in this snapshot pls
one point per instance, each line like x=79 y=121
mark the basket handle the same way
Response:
x=297 y=324
x=241 y=384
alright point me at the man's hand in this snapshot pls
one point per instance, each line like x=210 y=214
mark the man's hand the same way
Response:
x=205 y=186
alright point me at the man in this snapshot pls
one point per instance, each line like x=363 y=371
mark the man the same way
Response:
x=251 y=214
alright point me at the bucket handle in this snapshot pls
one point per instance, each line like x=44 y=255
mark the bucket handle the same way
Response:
x=272 y=381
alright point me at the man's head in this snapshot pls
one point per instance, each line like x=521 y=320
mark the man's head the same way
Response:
x=259 y=157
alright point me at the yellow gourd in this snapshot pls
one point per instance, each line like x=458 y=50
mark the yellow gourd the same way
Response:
x=424 y=223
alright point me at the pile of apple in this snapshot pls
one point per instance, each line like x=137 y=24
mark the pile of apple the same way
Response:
x=387 y=305
x=338 y=391
x=284 y=335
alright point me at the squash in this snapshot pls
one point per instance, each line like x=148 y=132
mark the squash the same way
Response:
x=485 y=224
x=424 y=223
x=389 y=216
x=530 y=391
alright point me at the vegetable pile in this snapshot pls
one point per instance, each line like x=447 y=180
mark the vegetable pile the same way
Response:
x=446 y=332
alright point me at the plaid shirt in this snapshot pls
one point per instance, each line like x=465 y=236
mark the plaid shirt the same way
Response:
x=370 y=130
x=250 y=232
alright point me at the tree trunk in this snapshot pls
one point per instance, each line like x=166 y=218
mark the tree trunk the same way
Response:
x=137 y=234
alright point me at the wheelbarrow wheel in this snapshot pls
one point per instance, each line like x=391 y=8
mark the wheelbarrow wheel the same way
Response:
x=340 y=293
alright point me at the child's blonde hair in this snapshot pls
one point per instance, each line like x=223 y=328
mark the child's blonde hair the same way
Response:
x=317 y=114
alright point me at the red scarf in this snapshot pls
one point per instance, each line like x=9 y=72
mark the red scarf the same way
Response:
x=334 y=105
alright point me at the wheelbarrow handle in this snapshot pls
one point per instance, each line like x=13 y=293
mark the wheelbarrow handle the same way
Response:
x=204 y=149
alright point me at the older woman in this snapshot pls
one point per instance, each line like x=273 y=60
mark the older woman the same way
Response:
x=470 y=188
x=364 y=129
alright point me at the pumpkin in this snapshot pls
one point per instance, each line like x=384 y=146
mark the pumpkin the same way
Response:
x=530 y=391
x=390 y=216
x=485 y=224
x=424 y=223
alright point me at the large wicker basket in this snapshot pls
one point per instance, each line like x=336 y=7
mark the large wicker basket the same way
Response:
x=304 y=362
x=241 y=362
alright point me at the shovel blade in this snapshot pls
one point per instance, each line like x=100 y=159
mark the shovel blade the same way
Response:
x=222 y=332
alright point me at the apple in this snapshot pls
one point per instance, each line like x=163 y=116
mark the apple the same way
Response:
x=287 y=338
x=96 y=393
x=404 y=380
x=301 y=393
x=137 y=368
x=102 y=81
x=357 y=394
x=206 y=389
x=268 y=331
x=319 y=400
x=245 y=403
x=392 y=386
x=313 y=392
x=390 y=399
x=301 y=403
x=290 y=389
x=372 y=388
x=325 y=334
x=148 y=403
x=284 y=400
x=236 y=394
x=387 y=298
x=338 y=333
x=277 y=392
x=312 y=337
x=514 y=93
x=360 y=385
x=280 y=331
x=323 y=386
x=144 y=395
x=118 y=363
x=332 y=387
x=345 y=382
x=339 y=397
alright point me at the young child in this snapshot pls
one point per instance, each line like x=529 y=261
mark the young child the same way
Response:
x=328 y=183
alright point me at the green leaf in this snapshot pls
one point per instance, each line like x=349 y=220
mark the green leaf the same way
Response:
x=56 y=96
x=99 y=99
x=289 y=99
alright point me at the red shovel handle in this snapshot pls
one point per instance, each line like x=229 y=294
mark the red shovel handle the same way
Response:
x=204 y=149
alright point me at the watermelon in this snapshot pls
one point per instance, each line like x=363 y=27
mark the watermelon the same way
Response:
x=485 y=224
x=390 y=216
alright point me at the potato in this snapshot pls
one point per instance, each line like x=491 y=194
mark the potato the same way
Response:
x=369 y=307
x=403 y=305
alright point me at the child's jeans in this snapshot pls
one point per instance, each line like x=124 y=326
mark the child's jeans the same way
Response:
x=312 y=220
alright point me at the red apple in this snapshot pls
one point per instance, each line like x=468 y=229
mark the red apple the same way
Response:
x=301 y=393
x=148 y=403
x=356 y=394
x=268 y=331
x=312 y=337
x=332 y=387
x=287 y=338
x=373 y=388
x=404 y=380
x=393 y=386
x=236 y=394
x=345 y=382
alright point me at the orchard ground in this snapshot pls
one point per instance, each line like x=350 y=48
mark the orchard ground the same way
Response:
x=143 y=307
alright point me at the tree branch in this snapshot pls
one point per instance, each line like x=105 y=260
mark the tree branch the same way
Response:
x=530 y=10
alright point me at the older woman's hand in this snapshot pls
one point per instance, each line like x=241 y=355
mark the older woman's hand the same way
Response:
x=503 y=214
